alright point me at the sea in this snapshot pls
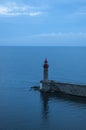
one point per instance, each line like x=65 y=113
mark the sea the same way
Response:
x=22 y=108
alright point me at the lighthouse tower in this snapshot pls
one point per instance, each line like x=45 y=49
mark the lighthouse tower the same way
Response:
x=44 y=84
x=45 y=66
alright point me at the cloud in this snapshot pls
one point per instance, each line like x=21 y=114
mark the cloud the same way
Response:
x=60 y=35
x=49 y=39
x=81 y=11
x=78 y=16
x=58 y=39
x=35 y=13
x=14 y=9
x=70 y=1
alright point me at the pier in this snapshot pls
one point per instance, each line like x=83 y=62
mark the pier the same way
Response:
x=47 y=85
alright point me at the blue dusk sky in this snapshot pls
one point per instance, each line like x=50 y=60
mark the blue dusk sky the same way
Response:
x=43 y=22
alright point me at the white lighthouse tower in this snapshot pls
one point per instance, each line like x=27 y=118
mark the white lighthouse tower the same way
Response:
x=45 y=74
x=44 y=83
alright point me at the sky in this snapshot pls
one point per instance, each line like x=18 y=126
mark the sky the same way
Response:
x=43 y=22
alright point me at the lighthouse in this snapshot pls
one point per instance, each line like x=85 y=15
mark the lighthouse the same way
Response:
x=45 y=66
x=44 y=84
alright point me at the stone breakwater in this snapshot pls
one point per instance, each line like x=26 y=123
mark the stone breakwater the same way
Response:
x=67 y=88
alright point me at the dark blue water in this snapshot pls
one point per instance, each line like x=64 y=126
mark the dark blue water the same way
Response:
x=24 y=109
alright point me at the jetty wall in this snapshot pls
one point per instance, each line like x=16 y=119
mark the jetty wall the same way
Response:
x=67 y=88
x=79 y=90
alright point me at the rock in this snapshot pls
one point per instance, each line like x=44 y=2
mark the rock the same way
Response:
x=36 y=88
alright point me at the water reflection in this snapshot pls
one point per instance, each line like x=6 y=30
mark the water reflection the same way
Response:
x=71 y=99
x=46 y=98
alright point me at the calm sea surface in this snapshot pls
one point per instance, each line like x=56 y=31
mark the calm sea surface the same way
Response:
x=24 y=109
